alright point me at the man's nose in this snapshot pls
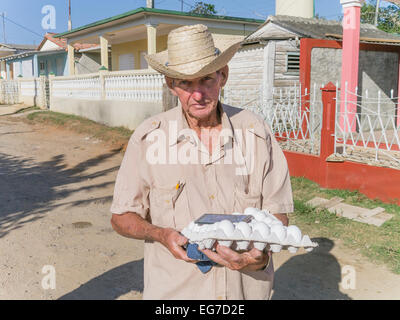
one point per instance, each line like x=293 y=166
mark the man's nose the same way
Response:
x=197 y=93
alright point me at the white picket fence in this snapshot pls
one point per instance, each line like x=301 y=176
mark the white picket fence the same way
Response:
x=368 y=127
x=137 y=85
x=9 y=92
x=295 y=119
x=369 y=135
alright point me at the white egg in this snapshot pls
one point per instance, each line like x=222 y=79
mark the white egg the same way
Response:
x=276 y=223
x=268 y=220
x=203 y=228
x=245 y=232
x=262 y=229
x=191 y=225
x=250 y=211
x=279 y=231
x=295 y=232
x=227 y=227
x=215 y=225
x=244 y=228
x=259 y=216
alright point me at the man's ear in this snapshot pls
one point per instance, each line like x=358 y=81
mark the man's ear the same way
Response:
x=170 y=84
x=224 y=72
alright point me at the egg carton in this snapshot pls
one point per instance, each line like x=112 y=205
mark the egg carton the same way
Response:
x=265 y=231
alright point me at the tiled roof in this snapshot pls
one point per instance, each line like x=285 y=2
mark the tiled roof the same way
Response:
x=62 y=42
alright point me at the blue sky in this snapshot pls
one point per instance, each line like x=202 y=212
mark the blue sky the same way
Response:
x=28 y=13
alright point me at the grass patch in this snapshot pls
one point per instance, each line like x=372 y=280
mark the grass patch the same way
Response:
x=113 y=135
x=379 y=244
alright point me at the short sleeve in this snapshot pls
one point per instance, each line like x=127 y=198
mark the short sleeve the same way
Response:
x=277 y=189
x=131 y=192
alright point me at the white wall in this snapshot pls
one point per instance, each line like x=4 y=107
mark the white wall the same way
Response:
x=128 y=114
x=246 y=68
x=48 y=45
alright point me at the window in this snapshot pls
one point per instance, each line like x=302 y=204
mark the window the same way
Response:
x=27 y=68
x=126 y=61
x=293 y=63
x=143 y=62
x=42 y=66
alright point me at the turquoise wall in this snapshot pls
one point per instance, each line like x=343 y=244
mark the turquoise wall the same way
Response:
x=50 y=64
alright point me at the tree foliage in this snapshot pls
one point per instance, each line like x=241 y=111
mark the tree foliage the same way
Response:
x=203 y=8
x=388 y=17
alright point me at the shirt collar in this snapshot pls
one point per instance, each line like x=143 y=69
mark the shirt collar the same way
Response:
x=185 y=132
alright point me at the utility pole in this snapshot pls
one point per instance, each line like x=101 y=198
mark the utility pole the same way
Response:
x=4 y=28
x=150 y=4
x=69 y=16
x=377 y=12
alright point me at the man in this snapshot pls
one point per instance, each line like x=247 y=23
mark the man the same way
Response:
x=218 y=159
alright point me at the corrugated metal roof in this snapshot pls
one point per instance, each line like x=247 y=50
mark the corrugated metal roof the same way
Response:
x=320 y=29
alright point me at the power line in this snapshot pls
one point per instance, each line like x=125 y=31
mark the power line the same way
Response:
x=183 y=2
x=25 y=28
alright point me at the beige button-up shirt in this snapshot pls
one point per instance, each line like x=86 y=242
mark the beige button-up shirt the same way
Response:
x=168 y=177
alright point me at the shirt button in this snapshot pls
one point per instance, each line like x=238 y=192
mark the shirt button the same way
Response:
x=219 y=298
x=212 y=197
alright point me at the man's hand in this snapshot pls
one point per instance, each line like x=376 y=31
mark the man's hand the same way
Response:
x=174 y=241
x=251 y=260
x=132 y=225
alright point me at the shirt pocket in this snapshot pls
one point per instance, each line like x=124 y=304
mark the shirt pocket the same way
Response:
x=169 y=206
x=246 y=197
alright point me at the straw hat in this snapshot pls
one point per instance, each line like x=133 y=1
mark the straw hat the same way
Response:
x=191 y=54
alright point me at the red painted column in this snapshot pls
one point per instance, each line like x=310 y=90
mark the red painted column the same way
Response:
x=327 y=131
x=398 y=99
x=350 y=61
x=305 y=74
x=328 y=121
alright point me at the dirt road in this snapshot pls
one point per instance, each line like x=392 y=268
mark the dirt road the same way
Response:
x=55 y=192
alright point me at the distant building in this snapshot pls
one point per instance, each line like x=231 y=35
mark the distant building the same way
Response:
x=286 y=51
x=50 y=57
x=131 y=35
x=11 y=49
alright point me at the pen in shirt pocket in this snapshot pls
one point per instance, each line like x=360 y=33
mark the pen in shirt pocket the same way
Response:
x=179 y=187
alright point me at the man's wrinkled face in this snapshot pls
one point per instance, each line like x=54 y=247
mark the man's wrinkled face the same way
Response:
x=199 y=97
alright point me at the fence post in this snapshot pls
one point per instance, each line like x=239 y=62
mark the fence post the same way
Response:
x=2 y=92
x=328 y=121
x=41 y=92
x=51 y=79
x=19 y=93
x=102 y=74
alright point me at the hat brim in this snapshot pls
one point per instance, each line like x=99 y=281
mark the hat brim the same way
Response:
x=158 y=61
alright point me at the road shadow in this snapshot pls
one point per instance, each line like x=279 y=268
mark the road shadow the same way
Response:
x=111 y=284
x=311 y=276
x=31 y=189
